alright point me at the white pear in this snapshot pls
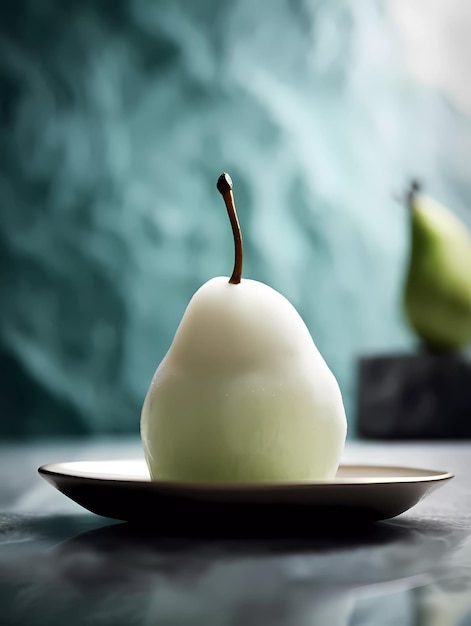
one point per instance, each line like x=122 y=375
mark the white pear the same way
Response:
x=243 y=394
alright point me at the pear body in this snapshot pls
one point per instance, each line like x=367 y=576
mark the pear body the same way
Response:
x=243 y=394
x=438 y=286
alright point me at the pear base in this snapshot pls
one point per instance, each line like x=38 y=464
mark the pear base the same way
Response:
x=422 y=396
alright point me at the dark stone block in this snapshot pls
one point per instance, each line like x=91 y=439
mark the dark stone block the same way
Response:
x=414 y=397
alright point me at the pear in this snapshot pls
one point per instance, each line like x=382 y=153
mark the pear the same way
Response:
x=438 y=287
x=243 y=394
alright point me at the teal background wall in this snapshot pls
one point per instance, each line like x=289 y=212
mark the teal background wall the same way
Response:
x=116 y=119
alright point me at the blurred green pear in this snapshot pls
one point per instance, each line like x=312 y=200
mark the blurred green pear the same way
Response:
x=438 y=287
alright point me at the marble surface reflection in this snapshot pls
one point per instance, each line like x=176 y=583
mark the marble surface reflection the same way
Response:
x=59 y=565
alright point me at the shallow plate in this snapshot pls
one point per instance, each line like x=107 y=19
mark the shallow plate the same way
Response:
x=123 y=490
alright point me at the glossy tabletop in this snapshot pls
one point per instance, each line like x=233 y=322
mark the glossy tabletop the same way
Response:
x=62 y=565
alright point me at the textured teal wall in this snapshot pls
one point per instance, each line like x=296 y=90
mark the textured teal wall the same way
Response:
x=116 y=119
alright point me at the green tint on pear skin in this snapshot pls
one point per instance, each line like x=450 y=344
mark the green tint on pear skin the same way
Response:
x=242 y=395
x=437 y=294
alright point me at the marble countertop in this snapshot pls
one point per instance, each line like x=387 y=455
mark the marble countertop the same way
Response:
x=62 y=565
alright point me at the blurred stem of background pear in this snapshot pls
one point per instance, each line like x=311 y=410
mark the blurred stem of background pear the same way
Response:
x=322 y=111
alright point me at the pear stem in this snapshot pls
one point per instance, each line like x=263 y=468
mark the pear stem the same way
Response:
x=224 y=186
x=414 y=189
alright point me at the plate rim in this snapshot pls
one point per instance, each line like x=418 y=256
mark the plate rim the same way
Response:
x=428 y=476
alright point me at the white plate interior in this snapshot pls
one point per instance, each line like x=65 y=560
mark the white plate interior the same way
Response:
x=136 y=470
